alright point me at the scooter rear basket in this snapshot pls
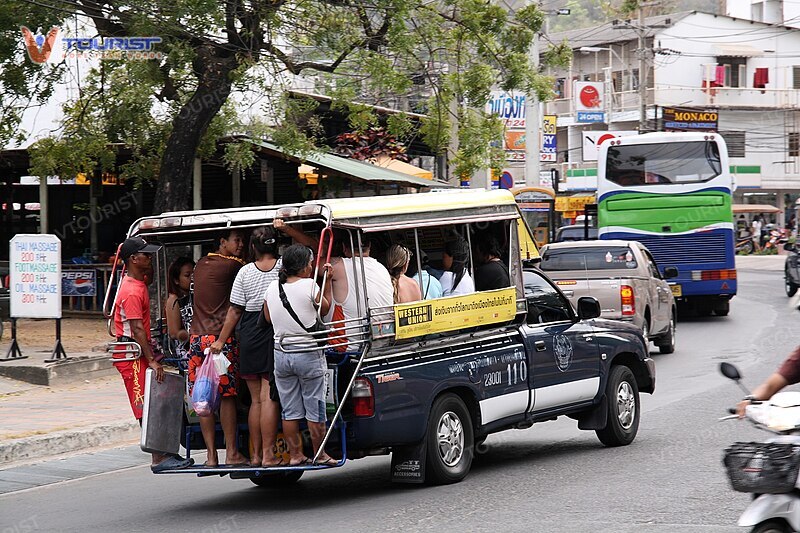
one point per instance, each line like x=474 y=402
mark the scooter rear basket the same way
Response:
x=764 y=468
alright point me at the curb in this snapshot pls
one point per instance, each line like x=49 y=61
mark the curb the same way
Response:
x=60 y=442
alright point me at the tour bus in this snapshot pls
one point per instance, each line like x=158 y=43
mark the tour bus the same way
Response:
x=672 y=192
x=424 y=381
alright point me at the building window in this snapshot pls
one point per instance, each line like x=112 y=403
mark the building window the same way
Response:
x=616 y=81
x=735 y=70
x=794 y=144
x=796 y=77
x=635 y=79
x=735 y=141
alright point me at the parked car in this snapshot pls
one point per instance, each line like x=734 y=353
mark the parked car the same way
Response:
x=791 y=271
x=575 y=232
x=624 y=278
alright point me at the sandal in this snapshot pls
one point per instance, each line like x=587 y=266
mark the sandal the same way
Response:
x=330 y=461
x=305 y=461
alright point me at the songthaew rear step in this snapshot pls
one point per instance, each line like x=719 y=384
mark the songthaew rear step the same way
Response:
x=427 y=380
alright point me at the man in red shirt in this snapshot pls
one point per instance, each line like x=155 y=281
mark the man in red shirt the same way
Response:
x=132 y=324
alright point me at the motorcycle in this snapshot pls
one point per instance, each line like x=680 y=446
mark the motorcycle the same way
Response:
x=769 y=469
x=776 y=236
x=746 y=245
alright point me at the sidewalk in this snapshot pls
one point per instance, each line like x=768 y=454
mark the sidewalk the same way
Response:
x=85 y=408
x=38 y=422
x=774 y=263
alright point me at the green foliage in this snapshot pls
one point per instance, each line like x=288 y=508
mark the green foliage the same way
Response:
x=442 y=59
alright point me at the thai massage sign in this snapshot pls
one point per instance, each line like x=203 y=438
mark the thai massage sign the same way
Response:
x=35 y=269
x=680 y=119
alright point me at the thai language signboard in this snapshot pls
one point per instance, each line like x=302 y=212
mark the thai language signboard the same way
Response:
x=509 y=106
x=548 y=153
x=35 y=270
x=455 y=312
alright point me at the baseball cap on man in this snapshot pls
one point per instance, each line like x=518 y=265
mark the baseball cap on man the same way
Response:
x=136 y=245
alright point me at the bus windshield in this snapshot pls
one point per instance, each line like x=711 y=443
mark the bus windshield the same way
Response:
x=660 y=164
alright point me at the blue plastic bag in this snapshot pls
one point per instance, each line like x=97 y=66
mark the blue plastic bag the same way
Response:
x=205 y=394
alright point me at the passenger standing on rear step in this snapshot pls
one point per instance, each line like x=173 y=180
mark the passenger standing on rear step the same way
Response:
x=300 y=367
x=132 y=324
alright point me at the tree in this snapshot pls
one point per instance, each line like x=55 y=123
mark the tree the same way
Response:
x=412 y=54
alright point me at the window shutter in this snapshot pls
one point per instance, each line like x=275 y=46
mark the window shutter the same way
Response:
x=795 y=77
x=735 y=141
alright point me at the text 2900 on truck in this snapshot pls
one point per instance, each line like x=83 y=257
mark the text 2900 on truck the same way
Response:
x=427 y=381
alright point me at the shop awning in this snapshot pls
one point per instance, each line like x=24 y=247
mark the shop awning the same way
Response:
x=754 y=208
x=737 y=50
x=402 y=167
x=576 y=202
x=353 y=168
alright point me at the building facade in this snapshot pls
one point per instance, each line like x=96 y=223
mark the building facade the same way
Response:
x=743 y=73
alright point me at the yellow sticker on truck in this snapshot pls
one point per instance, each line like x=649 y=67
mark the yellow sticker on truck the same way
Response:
x=454 y=312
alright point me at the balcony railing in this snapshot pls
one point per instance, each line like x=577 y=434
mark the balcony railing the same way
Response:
x=665 y=96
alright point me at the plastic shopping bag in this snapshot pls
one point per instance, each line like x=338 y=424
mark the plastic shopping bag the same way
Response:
x=221 y=363
x=205 y=394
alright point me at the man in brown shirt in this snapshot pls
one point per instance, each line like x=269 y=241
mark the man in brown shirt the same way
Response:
x=212 y=281
x=787 y=374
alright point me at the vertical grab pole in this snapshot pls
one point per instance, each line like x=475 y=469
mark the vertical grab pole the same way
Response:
x=106 y=312
x=329 y=232
x=338 y=413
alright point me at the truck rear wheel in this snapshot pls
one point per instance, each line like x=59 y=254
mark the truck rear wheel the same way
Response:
x=622 y=399
x=666 y=344
x=450 y=438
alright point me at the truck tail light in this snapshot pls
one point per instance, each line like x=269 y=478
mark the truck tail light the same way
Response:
x=628 y=300
x=712 y=275
x=363 y=398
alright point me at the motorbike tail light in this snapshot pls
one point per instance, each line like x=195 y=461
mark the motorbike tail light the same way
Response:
x=363 y=398
x=628 y=300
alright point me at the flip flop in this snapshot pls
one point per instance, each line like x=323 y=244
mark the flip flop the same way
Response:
x=330 y=461
x=235 y=465
x=171 y=463
x=273 y=465
x=304 y=462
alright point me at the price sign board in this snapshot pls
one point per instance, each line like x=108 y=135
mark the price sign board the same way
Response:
x=35 y=269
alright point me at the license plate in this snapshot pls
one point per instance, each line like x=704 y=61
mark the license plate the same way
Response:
x=676 y=290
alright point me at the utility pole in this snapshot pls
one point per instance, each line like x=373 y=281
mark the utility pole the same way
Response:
x=532 y=124
x=644 y=52
x=642 y=71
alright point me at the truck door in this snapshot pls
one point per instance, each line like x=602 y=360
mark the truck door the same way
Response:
x=563 y=352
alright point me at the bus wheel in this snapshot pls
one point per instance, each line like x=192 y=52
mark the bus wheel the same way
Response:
x=723 y=308
x=277 y=480
x=450 y=437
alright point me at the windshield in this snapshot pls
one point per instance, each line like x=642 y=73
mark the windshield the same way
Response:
x=659 y=164
x=588 y=258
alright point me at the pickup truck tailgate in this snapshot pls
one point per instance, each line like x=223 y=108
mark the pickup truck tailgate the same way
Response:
x=605 y=290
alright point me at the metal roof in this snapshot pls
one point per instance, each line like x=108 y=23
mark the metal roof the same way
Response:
x=607 y=33
x=351 y=167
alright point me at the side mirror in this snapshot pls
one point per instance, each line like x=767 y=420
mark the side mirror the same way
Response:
x=730 y=371
x=670 y=272
x=588 y=307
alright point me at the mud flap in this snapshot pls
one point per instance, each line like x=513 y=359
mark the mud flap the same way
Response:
x=408 y=463
x=595 y=418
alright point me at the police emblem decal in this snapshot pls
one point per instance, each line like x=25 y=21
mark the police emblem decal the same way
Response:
x=563 y=352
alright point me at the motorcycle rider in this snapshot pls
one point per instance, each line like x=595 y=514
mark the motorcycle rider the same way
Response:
x=788 y=373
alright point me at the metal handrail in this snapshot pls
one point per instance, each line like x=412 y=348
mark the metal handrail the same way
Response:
x=131 y=347
x=108 y=313
x=338 y=414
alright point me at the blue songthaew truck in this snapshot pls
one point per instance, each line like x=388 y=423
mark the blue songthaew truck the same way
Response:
x=425 y=381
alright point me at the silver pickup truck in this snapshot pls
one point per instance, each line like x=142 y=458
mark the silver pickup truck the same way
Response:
x=624 y=278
